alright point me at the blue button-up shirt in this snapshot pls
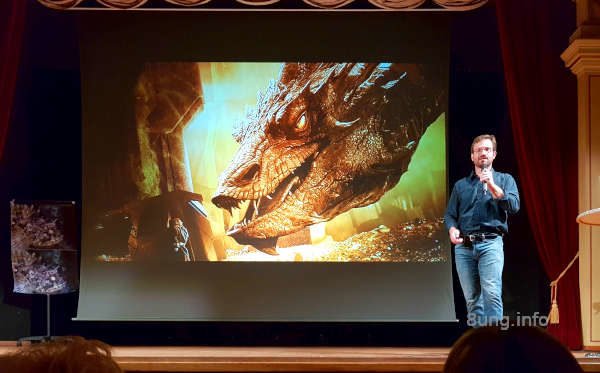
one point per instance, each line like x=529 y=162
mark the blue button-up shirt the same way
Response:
x=473 y=209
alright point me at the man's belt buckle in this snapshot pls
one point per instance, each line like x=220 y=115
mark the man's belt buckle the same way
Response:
x=480 y=237
x=476 y=237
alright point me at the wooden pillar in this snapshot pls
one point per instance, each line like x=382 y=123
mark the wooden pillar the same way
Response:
x=583 y=58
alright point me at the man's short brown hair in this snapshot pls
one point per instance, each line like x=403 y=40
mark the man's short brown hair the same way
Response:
x=479 y=138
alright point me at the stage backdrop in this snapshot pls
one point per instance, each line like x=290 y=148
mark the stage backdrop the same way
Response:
x=225 y=182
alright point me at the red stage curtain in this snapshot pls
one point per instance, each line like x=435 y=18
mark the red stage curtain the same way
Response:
x=12 y=21
x=542 y=97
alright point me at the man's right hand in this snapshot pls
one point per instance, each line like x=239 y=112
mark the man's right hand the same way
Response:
x=455 y=236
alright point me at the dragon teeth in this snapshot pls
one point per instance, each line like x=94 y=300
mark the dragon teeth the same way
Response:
x=269 y=196
x=233 y=230
x=288 y=190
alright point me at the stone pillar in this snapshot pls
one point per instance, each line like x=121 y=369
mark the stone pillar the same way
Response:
x=167 y=97
x=583 y=58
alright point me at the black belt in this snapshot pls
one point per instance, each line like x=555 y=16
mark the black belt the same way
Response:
x=479 y=237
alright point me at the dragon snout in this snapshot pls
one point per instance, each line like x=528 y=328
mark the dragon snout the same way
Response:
x=236 y=185
x=225 y=202
x=245 y=175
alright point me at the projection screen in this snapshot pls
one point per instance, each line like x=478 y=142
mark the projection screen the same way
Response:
x=242 y=186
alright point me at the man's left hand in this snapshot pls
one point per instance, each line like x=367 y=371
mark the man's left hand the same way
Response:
x=487 y=177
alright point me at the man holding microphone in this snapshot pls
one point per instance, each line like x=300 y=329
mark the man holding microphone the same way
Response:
x=476 y=219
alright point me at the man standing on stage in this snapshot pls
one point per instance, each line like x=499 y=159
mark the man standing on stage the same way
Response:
x=476 y=219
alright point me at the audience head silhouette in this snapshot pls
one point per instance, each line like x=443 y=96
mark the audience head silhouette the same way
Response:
x=516 y=349
x=63 y=355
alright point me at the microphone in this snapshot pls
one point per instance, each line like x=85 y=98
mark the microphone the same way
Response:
x=485 y=186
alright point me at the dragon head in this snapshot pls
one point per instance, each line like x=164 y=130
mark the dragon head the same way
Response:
x=323 y=139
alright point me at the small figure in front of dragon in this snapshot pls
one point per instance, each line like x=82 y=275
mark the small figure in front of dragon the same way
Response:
x=323 y=139
x=180 y=236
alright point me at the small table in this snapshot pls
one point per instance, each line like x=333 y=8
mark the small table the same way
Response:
x=590 y=217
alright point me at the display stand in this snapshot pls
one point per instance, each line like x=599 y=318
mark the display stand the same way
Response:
x=41 y=338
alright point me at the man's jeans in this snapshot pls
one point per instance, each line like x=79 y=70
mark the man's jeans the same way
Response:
x=480 y=274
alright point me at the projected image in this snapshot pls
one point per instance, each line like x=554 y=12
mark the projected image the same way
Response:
x=274 y=162
x=44 y=258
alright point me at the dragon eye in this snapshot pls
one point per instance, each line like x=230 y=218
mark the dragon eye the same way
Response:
x=301 y=123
